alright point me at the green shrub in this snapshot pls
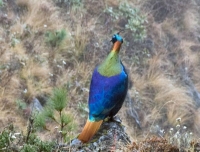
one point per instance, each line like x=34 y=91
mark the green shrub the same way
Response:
x=55 y=38
x=1 y=3
x=20 y=104
x=76 y=5
x=56 y=104
x=35 y=144
x=4 y=139
x=135 y=20
x=10 y=141
x=59 y=99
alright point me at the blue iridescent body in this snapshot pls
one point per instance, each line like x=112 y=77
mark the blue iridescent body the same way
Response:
x=108 y=86
x=107 y=94
x=108 y=89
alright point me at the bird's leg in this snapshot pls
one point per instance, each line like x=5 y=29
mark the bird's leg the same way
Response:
x=106 y=119
x=114 y=118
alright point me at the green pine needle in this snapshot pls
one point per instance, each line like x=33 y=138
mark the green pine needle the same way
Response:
x=55 y=38
x=59 y=99
x=39 y=121
x=66 y=119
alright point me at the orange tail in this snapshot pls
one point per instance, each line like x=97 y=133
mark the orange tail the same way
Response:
x=89 y=130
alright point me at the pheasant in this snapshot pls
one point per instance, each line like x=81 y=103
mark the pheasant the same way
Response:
x=108 y=89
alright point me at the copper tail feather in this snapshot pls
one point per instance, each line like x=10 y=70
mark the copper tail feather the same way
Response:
x=89 y=130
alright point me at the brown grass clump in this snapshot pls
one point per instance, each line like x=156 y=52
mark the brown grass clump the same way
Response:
x=190 y=19
x=72 y=50
x=190 y=54
x=197 y=121
x=36 y=78
x=40 y=13
x=156 y=144
x=168 y=100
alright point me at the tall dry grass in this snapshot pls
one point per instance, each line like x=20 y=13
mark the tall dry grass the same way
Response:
x=40 y=13
x=161 y=95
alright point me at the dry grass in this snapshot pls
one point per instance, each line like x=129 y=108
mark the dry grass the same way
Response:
x=190 y=57
x=191 y=20
x=36 y=78
x=40 y=13
x=153 y=144
x=162 y=96
x=197 y=121
x=168 y=99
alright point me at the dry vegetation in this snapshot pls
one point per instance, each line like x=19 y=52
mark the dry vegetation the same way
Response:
x=163 y=68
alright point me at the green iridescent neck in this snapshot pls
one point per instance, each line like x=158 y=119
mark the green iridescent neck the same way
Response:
x=111 y=65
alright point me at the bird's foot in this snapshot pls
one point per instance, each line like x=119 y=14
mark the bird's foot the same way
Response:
x=114 y=118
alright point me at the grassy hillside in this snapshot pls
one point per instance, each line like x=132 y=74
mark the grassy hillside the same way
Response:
x=57 y=43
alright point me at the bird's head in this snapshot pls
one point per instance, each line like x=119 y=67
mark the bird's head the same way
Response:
x=117 y=37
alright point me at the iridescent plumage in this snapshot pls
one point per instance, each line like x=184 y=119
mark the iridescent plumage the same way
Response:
x=108 y=90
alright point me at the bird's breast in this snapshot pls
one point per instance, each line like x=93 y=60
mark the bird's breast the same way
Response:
x=105 y=92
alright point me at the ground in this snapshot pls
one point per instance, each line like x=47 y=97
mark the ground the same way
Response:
x=160 y=52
